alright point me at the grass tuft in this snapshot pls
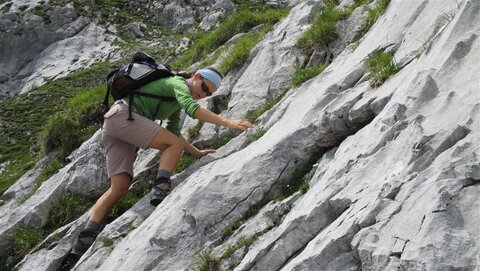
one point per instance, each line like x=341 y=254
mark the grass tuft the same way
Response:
x=107 y=242
x=195 y=130
x=323 y=29
x=184 y=162
x=206 y=261
x=375 y=12
x=241 y=22
x=303 y=74
x=381 y=65
x=241 y=50
x=253 y=115
x=67 y=209
x=25 y=239
x=255 y=136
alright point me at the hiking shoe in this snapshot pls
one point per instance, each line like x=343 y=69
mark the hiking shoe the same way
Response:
x=84 y=241
x=160 y=189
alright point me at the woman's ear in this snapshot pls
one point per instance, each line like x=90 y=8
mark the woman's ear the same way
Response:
x=196 y=75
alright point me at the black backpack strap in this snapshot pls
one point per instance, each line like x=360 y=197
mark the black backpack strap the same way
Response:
x=130 y=101
x=105 y=100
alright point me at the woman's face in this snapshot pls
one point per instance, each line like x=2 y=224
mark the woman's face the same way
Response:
x=201 y=87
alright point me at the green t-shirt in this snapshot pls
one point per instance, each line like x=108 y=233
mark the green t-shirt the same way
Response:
x=176 y=87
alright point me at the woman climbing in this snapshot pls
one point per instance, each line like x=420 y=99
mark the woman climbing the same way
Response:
x=121 y=137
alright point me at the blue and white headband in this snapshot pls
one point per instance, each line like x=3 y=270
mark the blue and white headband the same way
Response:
x=212 y=76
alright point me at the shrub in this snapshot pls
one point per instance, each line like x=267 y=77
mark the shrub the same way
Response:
x=381 y=65
x=68 y=129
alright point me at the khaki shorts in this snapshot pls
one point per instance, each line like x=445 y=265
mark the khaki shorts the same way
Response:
x=121 y=138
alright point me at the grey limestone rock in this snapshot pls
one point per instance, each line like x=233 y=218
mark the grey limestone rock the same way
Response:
x=396 y=186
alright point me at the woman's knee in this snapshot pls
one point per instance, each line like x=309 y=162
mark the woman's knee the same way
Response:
x=165 y=139
x=120 y=184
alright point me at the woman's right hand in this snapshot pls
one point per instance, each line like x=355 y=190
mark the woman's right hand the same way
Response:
x=239 y=124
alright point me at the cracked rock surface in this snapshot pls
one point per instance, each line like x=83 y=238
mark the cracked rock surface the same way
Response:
x=396 y=187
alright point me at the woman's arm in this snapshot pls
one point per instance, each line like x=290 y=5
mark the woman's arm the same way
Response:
x=206 y=115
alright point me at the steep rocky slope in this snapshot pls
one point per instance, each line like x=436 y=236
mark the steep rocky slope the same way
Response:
x=44 y=40
x=395 y=188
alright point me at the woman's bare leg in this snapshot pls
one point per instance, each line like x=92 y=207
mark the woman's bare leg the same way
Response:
x=119 y=185
x=171 y=146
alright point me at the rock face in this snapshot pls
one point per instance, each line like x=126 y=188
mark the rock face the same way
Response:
x=35 y=49
x=396 y=187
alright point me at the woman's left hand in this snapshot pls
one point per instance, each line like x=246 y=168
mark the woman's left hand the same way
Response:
x=202 y=153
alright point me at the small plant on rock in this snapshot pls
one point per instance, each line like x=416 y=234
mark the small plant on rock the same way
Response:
x=375 y=12
x=381 y=65
x=206 y=261
x=255 y=136
x=195 y=130
x=303 y=74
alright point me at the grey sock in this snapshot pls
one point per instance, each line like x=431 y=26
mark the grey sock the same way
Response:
x=163 y=173
x=92 y=226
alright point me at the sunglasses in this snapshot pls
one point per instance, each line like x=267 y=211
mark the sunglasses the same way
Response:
x=205 y=88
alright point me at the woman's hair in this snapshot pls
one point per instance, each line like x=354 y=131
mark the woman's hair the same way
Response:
x=189 y=74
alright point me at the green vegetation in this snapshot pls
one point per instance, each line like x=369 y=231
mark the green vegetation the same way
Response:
x=53 y=166
x=63 y=211
x=24 y=115
x=107 y=242
x=66 y=209
x=240 y=22
x=323 y=29
x=375 y=12
x=255 y=136
x=42 y=11
x=253 y=115
x=250 y=212
x=206 y=261
x=6 y=7
x=195 y=130
x=125 y=204
x=297 y=181
x=22 y=8
x=25 y=239
x=184 y=162
x=241 y=50
x=380 y=65
x=68 y=129
x=223 y=140
x=304 y=187
x=322 y=32
x=303 y=74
